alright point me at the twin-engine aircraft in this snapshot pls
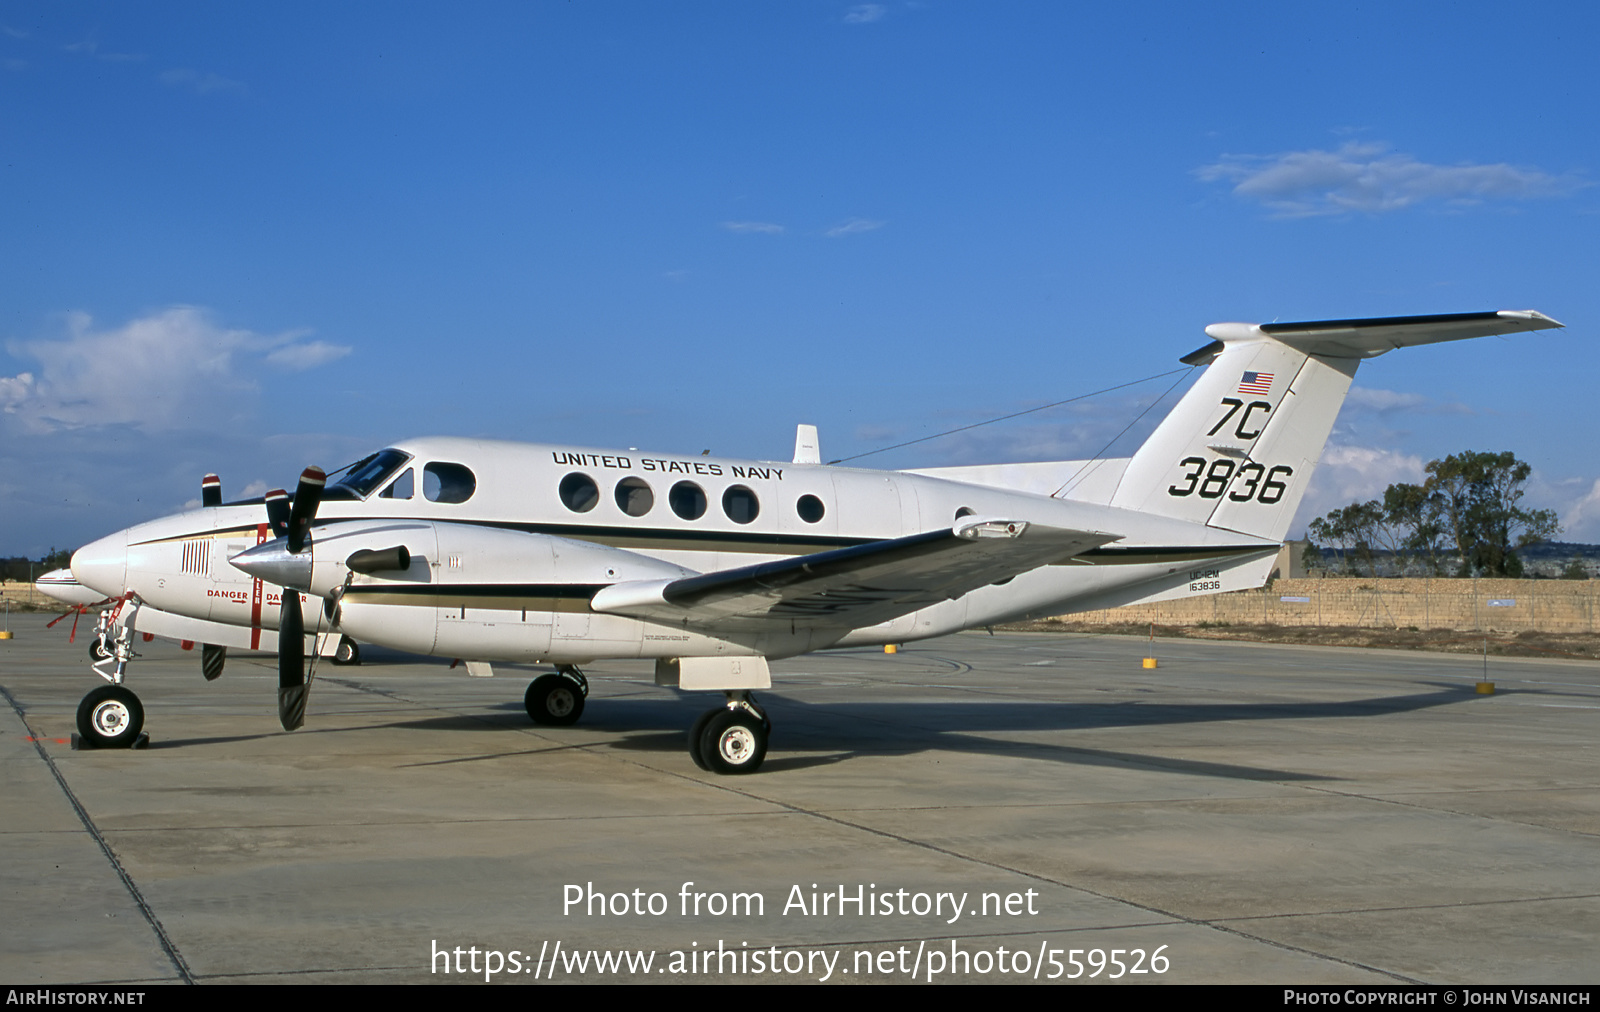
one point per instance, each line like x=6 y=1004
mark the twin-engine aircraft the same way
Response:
x=508 y=552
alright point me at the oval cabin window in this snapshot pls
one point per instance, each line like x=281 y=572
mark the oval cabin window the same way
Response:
x=741 y=504
x=579 y=493
x=634 y=497
x=688 y=500
x=448 y=483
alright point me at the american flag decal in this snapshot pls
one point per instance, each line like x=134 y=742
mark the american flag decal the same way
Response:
x=1256 y=383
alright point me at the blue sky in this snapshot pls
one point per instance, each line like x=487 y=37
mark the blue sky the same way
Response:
x=246 y=239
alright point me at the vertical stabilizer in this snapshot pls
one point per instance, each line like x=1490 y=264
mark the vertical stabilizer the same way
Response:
x=1238 y=451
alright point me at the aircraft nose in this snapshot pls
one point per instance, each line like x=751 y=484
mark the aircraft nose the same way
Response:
x=103 y=565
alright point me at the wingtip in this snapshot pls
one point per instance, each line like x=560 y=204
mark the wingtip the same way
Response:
x=1532 y=316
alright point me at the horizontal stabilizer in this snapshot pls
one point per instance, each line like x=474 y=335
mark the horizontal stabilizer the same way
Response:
x=1372 y=337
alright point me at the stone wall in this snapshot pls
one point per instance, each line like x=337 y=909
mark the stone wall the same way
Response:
x=20 y=595
x=1467 y=605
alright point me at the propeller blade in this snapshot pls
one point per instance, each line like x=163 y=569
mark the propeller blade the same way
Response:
x=307 y=497
x=212 y=658
x=278 y=512
x=291 y=663
x=211 y=490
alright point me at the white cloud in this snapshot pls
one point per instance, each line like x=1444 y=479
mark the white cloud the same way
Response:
x=854 y=226
x=173 y=370
x=1387 y=402
x=307 y=355
x=91 y=48
x=1350 y=474
x=203 y=84
x=760 y=227
x=1373 y=399
x=1575 y=500
x=1580 y=520
x=863 y=14
x=1364 y=176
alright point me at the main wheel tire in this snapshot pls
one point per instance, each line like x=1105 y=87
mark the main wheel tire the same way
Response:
x=734 y=741
x=98 y=651
x=697 y=734
x=554 y=700
x=110 y=717
x=347 y=652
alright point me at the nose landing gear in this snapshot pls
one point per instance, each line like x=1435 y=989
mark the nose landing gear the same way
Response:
x=111 y=716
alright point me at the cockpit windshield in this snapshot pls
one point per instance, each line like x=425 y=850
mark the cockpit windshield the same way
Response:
x=366 y=474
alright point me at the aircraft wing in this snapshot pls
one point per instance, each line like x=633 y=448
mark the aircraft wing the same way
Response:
x=852 y=587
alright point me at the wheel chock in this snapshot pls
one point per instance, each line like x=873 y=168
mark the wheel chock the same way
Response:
x=81 y=744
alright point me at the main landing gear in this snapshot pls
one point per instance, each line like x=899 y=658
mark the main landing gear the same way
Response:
x=731 y=738
x=556 y=700
x=728 y=739
x=347 y=652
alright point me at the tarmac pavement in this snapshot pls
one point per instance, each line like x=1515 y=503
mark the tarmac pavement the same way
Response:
x=1239 y=814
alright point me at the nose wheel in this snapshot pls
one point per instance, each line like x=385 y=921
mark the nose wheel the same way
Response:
x=110 y=717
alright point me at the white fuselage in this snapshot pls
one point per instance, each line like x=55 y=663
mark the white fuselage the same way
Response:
x=488 y=591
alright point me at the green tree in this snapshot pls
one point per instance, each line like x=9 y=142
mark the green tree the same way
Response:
x=1468 y=512
x=1349 y=530
x=1475 y=497
x=1412 y=510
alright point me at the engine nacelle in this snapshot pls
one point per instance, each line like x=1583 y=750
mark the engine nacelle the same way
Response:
x=468 y=591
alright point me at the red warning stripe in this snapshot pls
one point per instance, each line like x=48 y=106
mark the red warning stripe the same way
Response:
x=263 y=531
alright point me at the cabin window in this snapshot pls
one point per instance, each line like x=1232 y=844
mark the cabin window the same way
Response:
x=634 y=497
x=448 y=483
x=403 y=487
x=740 y=504
x=810 y=509
x=688 y=500
x=579 y=492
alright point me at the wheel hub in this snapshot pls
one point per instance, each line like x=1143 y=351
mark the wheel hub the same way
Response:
x=110 y=718
x=559 y=702
x=736 y=745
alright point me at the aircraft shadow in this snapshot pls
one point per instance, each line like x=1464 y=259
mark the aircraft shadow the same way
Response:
x=809 y=735
x=828 y=733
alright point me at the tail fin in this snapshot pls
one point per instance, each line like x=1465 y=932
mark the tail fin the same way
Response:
x=1238 y=450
